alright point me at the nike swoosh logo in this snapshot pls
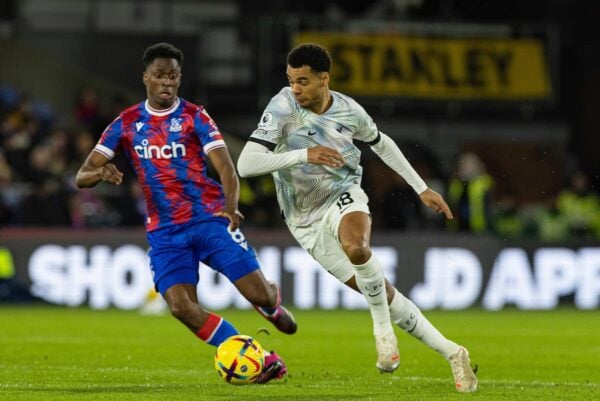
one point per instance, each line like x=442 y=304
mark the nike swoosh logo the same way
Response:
x=374 y=295
x=312 y=133
x=414 y=327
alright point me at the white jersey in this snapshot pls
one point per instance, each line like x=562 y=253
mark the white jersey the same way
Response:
x=305 y=191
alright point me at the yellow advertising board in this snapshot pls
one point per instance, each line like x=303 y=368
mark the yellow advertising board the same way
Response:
x=435 y=68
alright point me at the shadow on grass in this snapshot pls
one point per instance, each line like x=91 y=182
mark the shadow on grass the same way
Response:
x=133 y=389
x=164 y=391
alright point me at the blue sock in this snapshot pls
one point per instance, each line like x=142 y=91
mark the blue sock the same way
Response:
x=216 y=330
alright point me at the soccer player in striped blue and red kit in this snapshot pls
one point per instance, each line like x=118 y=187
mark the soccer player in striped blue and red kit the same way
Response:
x=191 y=218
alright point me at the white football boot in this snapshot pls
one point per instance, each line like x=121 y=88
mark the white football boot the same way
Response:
x=388 y=357
x=464 y=377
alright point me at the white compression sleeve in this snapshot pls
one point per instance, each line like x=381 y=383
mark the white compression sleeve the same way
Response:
x=371 y=283
x=391 y=154
x=256 y=159
x=405 y=314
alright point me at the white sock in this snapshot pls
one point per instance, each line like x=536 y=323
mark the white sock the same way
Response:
x=405 y=314
x=371 y=283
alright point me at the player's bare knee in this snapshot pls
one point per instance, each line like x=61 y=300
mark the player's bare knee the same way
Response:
x=358 y=253
x=184 y=310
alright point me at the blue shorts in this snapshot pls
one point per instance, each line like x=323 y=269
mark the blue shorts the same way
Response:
x=176 y=251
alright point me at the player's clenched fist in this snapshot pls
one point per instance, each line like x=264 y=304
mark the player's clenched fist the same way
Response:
x=111 y=173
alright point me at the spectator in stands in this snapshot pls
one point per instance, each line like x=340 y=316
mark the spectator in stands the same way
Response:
x=83 y=142
x=87 y=108
x=396 y=205
x=5 y=181
x=400 y=206
x=580 y=205
x=47 y=204
x=5 y=170
x=19 y=131
x=258 y=202
x=130 y=205
x=550 y=223
x=469 y=195
x=507 y=222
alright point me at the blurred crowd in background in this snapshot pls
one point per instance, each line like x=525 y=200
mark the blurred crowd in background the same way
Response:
x=39 y=159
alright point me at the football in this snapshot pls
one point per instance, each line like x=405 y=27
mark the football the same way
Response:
x=239 y=360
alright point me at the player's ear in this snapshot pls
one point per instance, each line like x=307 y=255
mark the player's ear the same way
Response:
x=145 y=77
x=325 y=79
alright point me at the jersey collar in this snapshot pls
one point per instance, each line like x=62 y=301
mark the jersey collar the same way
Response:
x=161 y=113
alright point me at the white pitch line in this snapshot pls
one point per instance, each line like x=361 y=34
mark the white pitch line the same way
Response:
x=512 y=383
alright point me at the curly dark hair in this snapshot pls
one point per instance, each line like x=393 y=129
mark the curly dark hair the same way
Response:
x=311 y=54
x=162 y=50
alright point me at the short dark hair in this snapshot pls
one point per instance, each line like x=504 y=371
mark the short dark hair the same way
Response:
x=162 y=50
x=311 y=54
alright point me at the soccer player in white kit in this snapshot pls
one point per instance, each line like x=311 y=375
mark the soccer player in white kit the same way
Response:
x=304 y=139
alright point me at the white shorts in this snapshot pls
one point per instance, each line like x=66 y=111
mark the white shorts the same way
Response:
x=321 y=239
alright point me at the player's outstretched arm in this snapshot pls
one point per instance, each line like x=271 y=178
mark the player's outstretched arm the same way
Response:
x=388 y=151
x=433 y=200
x=97 y=168
x=221 y=161
x=255 y=159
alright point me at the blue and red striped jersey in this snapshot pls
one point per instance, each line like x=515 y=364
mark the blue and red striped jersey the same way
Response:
x=167 y=149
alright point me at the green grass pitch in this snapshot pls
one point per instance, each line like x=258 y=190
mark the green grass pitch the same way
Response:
x=52 y=353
